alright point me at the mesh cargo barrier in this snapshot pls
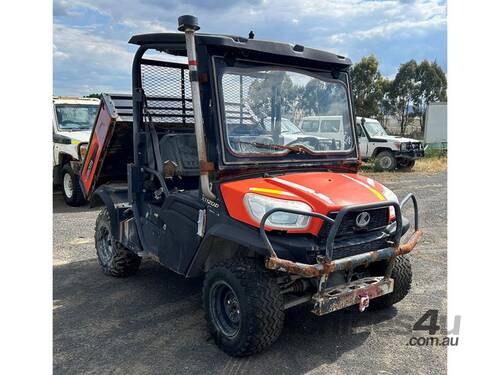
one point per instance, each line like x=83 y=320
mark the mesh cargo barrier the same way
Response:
x=168 y=92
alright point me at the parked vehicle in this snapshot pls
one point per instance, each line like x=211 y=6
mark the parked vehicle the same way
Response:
x=71 y=125
x=287 y=127
x=291 y=135
x=269 y=226
x=331 y=127
x=436 y=125
x=388 y=151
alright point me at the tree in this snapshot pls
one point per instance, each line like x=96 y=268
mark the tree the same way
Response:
x=261 y=92
x=320 y=98
x=430 y=86
x=386 y=105
x=401 y=91
x=93 y=95
x=315 y=97
x=274 y=96
x=367 y=87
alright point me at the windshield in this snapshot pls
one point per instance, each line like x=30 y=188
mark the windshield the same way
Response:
x=280 y=111
x=75 y=116
x=286 y=126
x=373 y=128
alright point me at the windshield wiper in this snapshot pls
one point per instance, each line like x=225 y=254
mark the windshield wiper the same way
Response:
x=299 y=149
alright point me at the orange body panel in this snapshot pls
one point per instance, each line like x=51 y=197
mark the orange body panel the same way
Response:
x=100 y=135
x=323 y=191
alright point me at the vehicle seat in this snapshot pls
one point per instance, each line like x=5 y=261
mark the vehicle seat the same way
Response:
x=181 y=149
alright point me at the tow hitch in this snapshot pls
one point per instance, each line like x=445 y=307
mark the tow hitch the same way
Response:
x=364 y=301
x=358 y=292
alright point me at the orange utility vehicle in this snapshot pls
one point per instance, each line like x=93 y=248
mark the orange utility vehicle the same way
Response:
x=204 y=168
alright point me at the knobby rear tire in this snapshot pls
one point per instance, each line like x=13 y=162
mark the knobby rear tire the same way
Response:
x=115 y=260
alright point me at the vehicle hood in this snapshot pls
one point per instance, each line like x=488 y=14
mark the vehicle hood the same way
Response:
x=394 y=138
x=324 y=192
x=79 y=136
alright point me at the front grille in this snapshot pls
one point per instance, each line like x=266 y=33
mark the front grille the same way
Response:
x=347 y=251
x=379 y=219
x=414 y=146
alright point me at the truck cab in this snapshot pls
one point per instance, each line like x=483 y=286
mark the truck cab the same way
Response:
x=73 y=119
x=388 y=151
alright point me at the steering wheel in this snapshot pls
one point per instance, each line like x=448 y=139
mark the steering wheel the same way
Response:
x=314 y=142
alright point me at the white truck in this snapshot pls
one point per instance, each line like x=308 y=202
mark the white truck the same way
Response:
x=331 y=127
x=71 y=126
x=388 y=151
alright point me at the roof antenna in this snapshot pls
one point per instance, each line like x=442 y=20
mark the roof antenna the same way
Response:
x=251 y=35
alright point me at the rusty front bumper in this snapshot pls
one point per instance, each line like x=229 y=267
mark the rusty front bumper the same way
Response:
x=357 y=292
x=325 y=267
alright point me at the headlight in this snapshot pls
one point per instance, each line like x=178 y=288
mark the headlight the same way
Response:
x=390 y=196
x=257 y=205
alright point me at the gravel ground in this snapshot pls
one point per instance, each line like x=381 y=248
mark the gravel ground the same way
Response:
x=153 y=323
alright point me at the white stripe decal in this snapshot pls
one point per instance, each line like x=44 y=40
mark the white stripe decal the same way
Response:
x=376 y=192
x=304 y=188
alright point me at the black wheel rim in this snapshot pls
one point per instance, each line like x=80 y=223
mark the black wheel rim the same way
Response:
x=225 y=308
x=105 y=245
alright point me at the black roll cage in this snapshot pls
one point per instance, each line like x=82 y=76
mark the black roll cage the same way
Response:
x=209 y=88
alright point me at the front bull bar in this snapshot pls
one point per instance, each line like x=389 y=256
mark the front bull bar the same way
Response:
x=325 y=264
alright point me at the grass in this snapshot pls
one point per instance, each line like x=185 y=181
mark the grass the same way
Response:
x=432 y=164
x=435 y=161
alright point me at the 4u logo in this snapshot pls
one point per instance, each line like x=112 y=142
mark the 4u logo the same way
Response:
x=429 y=323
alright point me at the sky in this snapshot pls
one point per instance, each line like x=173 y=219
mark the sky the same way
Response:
x=91 y=53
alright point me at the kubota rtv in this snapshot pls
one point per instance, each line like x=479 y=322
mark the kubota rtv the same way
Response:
x=198 y=168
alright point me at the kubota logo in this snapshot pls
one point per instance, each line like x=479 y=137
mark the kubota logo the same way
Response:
x=363 y=219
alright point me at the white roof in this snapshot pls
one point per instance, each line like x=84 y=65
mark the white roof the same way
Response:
x=75 y=100
x=358 y=118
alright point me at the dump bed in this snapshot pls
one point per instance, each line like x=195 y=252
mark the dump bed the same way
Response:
x=110 y=147
x=167 y=118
